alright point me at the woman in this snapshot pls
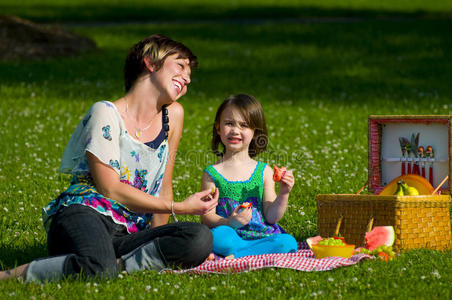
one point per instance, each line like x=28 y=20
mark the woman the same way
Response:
x=122 y=154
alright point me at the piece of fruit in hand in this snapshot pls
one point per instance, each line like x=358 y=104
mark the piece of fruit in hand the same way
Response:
x=245 y=204
x=278 y=173
x=210 y=195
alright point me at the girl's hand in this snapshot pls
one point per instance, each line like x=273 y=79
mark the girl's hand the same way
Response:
x=199 y=203
x=240 y=217
x=286 y=183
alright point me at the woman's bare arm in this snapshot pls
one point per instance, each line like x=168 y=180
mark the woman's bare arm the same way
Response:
x=176 y=118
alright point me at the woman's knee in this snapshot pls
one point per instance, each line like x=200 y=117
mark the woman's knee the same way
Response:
x=188 y=246
x=200 y=239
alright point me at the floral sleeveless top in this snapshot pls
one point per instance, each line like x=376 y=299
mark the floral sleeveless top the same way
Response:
x=103 y=133
x=234 y=193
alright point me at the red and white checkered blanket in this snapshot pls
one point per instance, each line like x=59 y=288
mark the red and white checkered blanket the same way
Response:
x=302 y=260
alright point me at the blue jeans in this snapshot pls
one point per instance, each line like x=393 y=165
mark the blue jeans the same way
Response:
x=94 y=242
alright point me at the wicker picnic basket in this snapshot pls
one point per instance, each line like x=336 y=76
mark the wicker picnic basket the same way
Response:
x=419 y=221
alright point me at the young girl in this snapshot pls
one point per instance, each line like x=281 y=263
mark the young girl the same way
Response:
x=239 y=231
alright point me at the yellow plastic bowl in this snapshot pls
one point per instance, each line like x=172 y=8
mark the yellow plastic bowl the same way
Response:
x=321 y=251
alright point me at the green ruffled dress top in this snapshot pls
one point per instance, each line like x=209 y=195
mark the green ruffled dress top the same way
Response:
x=234 y=193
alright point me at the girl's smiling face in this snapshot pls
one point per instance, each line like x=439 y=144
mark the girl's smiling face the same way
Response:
x=234 y=131
x=173 y=77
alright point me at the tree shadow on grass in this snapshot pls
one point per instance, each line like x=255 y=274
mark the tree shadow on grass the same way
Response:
x=215 y=10
x=11 y=256
x=352 y=62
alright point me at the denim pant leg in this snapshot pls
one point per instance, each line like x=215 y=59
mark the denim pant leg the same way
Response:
x=181 y=245
x=81 y=231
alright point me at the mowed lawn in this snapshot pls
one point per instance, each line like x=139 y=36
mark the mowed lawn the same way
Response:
x=319 y=72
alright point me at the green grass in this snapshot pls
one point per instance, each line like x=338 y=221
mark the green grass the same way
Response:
x=170 y=10
x=318 y=82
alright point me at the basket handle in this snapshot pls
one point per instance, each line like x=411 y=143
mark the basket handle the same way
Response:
x=338 y=225
x=370 y=224
x=440 y=185
x=369 y=227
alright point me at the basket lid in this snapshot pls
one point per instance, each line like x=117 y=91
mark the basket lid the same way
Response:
x=386 y=158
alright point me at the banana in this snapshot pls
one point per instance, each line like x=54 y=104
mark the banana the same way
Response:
x=408 y=190
x=399 y=191
x=420 y=186
x=412 y=191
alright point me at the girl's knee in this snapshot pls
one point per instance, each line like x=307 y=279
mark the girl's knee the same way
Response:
x=288 y=242
x=225 y=240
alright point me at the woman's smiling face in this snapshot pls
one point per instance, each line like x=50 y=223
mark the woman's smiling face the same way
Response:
x=174 y=76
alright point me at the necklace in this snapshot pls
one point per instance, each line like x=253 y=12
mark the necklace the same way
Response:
x=138 y=131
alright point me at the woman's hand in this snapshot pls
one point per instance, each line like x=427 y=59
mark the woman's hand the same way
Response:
x=286 y=183
x=198 y=203
x=240 y=217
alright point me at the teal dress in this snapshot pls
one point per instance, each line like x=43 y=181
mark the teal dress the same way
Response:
x=258 y=236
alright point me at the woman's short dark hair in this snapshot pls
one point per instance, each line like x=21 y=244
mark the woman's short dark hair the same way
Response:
x=156 y=48
x=253 y=114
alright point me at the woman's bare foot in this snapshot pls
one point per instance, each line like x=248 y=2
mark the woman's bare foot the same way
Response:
x=229 y=257
x=211 y=257
x=14 y=273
